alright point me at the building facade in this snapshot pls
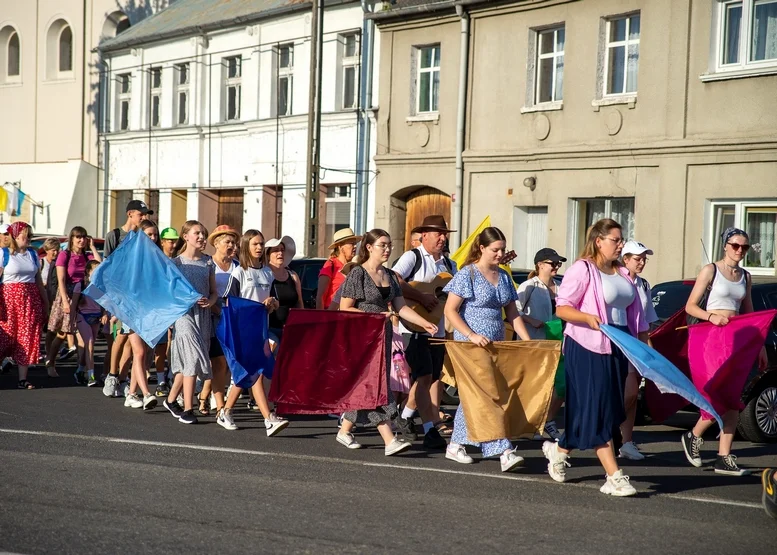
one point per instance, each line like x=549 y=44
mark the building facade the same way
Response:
x=49 y=105
x=207 y=113
x=657 y=113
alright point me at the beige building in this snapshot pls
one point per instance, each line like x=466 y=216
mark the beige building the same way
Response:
x=658 y=113
x=50 y=106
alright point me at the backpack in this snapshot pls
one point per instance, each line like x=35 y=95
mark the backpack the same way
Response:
x=419 y=262
x=52 y=281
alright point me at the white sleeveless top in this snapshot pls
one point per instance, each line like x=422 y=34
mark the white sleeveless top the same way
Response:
x=619 y=293
x=725 y=294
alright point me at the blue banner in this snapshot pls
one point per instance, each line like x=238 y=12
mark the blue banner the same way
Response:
x=243 y=333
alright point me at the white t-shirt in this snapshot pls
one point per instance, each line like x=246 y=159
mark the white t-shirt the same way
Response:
x=21 y=268
x=618 y=296
x=251 y=283
x=646 y=298
x=539 y=305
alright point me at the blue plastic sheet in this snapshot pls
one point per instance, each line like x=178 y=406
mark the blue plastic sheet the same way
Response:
x=243 y=331
x=139 y=285
x=653 y=366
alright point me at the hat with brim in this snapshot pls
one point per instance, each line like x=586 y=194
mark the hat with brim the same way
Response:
x=344 y=236
x=636 y=248
x=287 y=242
x=223 y=230
x=433 y=223
x=169 y=233
x=547 y=254
x=4 y=228
x=346 y=269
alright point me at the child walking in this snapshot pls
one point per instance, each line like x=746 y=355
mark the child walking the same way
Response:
x=192 y=332
x=90 y=316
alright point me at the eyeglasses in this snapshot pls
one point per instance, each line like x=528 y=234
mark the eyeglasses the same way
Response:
x=383 y=246
x=620 y=241
x=739 y=246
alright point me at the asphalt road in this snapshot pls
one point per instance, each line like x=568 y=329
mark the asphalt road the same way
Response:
x=79 y=473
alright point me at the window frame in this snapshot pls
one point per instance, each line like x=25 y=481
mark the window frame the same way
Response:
x=61 y=71
x=741 y=207
x=123 y=97
x=182 y=88
x=285 y=74
x=744 y=48
x=538 y=56
x=576 y=237
x=349 y=63
x=155 y=96
x=625 y=43
x=235 y=82
x=419 y=70
x=15 y=77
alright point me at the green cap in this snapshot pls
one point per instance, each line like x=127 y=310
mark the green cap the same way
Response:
x=169 y=233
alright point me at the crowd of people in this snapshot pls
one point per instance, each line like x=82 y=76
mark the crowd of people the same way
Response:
x=43 y=296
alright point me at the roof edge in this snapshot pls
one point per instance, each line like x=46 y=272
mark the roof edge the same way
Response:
x=412 y=11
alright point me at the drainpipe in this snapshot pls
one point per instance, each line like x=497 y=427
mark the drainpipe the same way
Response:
x=461 y=116
x=365 y=103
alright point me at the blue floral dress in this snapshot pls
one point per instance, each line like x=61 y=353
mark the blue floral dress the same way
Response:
x=482 y=311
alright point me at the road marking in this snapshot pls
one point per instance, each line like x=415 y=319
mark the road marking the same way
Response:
x=233 y=450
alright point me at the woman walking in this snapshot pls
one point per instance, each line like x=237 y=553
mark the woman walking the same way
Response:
x=477 y=294
x=371 y=287
x=635 y=256
x=24 y=300
x=192 y=331
x=728 y=289
x=286 y=287
x=537 y=305
x=331 y=278
x=596 y=290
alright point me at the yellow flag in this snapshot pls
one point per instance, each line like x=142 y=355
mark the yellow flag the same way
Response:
x=461 y=253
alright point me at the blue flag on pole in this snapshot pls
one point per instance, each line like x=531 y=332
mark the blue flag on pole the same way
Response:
x=243 y=331
x=142 y=287
x=653 y=366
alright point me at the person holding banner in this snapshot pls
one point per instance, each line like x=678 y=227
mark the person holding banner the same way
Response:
x=370 y=287
x=596 y=290
x=476 y=296
x=722 y=290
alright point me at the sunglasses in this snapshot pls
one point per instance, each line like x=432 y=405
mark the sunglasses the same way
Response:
x=554 y=264
x=739 y=246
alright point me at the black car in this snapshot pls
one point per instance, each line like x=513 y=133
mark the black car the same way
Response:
x=308 y=269
x=758 y=420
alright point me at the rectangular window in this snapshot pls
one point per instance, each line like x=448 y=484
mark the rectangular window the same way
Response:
x=747 y=34
x=182 y=93
x=550 y=66
x=758 y=219
x=155 y=88
x=233 y=83
x=591 y=210
x=285 y=80
x=350 y=67
x=428 y=79
x=124 y=97
x=338 y=209
x=621 y=55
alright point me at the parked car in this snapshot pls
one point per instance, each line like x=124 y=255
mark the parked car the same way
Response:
x=519 y=276
x=38 y=240
x=308 y=269
x=758 y=420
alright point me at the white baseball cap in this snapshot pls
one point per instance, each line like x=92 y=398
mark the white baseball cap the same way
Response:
x=635 y=247
x=4 y=228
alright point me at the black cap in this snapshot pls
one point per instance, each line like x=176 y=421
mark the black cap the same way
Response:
x=140 y=206
x=548 y=254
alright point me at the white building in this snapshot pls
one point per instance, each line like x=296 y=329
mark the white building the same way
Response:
x=207 y=115
x=49 y=105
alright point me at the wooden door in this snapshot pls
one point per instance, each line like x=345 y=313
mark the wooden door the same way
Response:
x=425 y=202
x=231 y=208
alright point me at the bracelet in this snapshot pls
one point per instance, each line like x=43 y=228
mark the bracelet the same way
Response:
x=468 y=335
x=709 y=318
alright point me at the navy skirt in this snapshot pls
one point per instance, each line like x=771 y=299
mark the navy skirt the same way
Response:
x=594 y=400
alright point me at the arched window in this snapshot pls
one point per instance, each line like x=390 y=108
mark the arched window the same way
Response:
x=114 y=24
x=14 y=56
x=123 y=25
x=66 y=49
x=10 y=55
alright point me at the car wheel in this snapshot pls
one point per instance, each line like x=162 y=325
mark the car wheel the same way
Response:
x=758 y=421
x=450 y=395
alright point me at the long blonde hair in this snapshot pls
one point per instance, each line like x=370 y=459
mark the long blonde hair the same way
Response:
x=600 y=229
x=484 y=238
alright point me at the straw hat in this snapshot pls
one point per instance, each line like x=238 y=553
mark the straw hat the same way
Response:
x=223 y=230
x=344 y=236
x=433 y=223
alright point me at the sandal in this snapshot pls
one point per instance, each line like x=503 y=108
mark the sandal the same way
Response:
x=444 y=429
x=204 y=404
x=24 y=384
x=445 y=417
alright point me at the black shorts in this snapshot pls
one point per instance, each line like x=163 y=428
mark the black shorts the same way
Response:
x=215 y=349
x=425 y=359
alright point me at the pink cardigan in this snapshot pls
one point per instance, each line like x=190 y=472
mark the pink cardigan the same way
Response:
x=581 y=289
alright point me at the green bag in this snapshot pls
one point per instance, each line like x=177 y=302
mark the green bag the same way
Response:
x=554 y=330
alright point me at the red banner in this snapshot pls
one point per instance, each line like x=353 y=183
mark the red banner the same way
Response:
x=673 y=344
x=330 y=362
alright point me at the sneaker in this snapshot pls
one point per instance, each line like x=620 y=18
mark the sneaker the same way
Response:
x=396 y=446
x=433 y=440
x=162 y=390
x=149 y=402
x=66 y=353
x=510 y=460
x=92 y=381
x=133 y=401
x=274 y=424
x=251 y=405
x=187 y=417
x=224 y=419
x=124 y=388
x=111 y=385
x=630 y=451
x=618 y=485
x=348 y=440
x=174 y=408
x=552 y=430
x=80 y=377
x=692 y=447
x=406 y=427
x=769 y=496
x=457 y=453
x=727 y=464
x=557 y=461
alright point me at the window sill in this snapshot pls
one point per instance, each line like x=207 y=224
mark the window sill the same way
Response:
x=11 y=83
x=427 y=116
x=738 y=74
x=544 y=107
x=629 y=99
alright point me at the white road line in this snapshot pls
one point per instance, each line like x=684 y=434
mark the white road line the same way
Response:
x=513 y=477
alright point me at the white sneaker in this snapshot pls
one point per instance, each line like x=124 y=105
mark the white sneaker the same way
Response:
x=552 y=430
x=618 y=485
x=348 y=440
x=133 y=401
x=457 y=453
x=111 y=386
x=397 y=445
x=557 y=461
x=510 y=460
x=224 y=419
x=125 y=389
x=629 y=450
x=274 y=424
x=149 y=402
